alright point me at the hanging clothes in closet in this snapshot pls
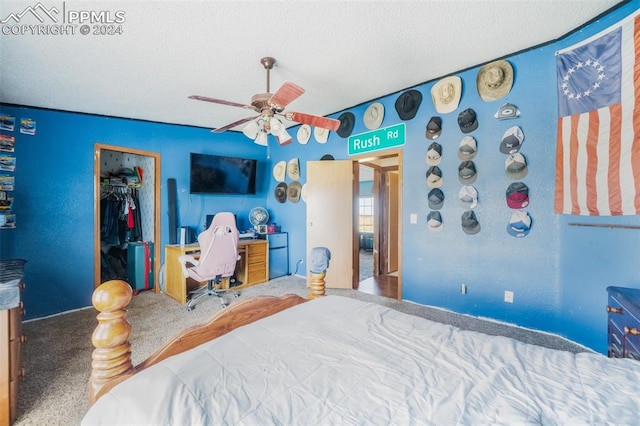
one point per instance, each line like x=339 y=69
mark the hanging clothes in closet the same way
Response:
x=120 y=216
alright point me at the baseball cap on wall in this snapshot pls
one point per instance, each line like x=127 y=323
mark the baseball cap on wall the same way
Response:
x=470 y=223
x=468 y=148
x=515 y=166
x=436 y=199
x=468 y=196
x=467 y=120
x=434 y=177
x=520 y=224
x=467 y=172
x=512 y=140
x=434 y=128
x=517 y=195
x=434 y=221
x=434 y=154
x=507 y=111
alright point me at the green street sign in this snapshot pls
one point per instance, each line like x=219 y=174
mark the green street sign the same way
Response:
x=378 y=139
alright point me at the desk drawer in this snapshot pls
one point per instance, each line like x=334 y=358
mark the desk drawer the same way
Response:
x=258 y=273
x=623 y=323
x=615 y=340
x=257 y=255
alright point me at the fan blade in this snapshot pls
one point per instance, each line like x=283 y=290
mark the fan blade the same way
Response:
x=234 y=124
x=313 y=120
x=220 y=101
x=286 y=94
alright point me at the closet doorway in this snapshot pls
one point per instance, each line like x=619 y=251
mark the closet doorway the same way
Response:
x=115 y=160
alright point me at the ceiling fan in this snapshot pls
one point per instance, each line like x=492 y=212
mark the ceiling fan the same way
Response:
x=268 y=106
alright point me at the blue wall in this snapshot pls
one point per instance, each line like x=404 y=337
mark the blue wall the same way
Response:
x=558 y=273
x=54 y=195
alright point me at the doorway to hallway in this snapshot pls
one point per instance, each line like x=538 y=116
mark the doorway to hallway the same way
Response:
x=378 y=225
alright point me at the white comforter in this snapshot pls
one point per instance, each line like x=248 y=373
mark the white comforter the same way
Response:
x=340 y=361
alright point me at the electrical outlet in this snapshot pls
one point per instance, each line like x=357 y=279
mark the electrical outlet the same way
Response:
x=301 y=261
x=463 y=288
x=508 y=296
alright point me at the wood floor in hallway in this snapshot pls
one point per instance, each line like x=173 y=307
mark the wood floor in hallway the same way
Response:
x=381 y=285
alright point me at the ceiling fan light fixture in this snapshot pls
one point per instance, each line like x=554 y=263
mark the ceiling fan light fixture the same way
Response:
x=284 y=138
x=267 y=105
x=261 y=139
x=251 y=130
x=276 y=126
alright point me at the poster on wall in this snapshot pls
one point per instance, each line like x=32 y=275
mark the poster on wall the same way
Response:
x=7 y=163
x=7 y=123
x=7 y=182
x=27 y=126
x=7 y=143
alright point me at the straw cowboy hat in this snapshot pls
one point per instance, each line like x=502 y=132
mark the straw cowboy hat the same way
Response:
x=494 y=80
x=446 y=94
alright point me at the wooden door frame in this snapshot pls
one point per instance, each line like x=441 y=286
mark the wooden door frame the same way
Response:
x=382 y=236
x=367 y=161
x=98 y=147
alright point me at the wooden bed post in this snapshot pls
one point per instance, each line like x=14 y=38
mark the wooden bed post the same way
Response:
x=112 y=354
x=317 y=285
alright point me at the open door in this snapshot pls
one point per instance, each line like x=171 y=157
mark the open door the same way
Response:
x=383 y=174
x=330 y=217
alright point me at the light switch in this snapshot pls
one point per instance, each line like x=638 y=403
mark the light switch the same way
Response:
x=413 y=218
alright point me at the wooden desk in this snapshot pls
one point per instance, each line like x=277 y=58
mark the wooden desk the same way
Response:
x=252 y=268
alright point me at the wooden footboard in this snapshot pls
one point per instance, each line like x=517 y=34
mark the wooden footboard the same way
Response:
x=112 y=354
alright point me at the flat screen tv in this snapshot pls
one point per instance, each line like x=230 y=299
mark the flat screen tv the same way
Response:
x=216 y=174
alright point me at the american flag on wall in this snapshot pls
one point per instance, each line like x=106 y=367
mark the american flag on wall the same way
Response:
x=598 y=141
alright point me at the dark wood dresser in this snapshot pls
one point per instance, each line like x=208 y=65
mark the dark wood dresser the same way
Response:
x=623 y=310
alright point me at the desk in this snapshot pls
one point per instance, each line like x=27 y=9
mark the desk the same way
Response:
x=252 y=268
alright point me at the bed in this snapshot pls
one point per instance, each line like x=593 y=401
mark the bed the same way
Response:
x=338 y=360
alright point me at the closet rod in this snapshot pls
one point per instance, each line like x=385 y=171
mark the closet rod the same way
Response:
x=611 y=226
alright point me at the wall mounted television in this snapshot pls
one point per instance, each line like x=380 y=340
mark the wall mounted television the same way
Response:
x=217 y=174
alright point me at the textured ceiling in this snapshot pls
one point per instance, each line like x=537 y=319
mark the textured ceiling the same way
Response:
x=343 y=53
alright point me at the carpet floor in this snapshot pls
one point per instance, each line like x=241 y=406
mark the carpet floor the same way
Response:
x=57 y=355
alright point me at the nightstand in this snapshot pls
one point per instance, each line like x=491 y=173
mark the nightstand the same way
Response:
x=623 y=310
